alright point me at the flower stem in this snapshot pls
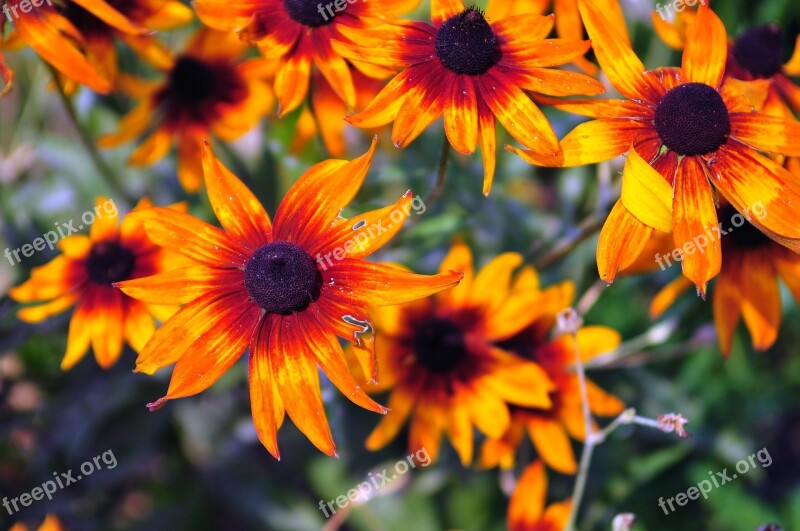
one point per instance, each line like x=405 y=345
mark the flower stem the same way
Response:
x=103 y=169
x=439 y=186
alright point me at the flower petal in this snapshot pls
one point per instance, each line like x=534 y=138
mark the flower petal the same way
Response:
x=706 y=49
x=761 y=299
x=767 y=133
x=622 y=239
x=552 y=444
x=461 y=115
x=264 y=398
x=646 y=194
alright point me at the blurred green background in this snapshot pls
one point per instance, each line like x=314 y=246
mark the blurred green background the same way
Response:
x=197 y=464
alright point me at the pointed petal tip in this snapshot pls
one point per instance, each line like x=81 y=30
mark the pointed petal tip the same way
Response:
x=158 y=404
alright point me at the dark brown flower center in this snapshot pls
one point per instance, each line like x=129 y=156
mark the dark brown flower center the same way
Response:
x=759 y=50
x=282 y=278
x=311 y=13
x=439 y=345
x=195 y=88
x=466 y=44
x=744 y=236
x=109 y=262
x=692 y=119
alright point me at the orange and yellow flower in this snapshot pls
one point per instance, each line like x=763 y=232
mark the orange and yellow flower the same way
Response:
x=210 y=89
x=297 y=34
x=82 y=276
x=688 y=133
x=441 y=360
x=549 y=428
x=473 y=71
x=55 y=39
x=286 y=290
x=747 y=286
x=526 y=510
x=131 y=21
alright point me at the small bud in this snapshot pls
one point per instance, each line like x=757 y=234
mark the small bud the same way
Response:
x=569 y=322
x=623 y=522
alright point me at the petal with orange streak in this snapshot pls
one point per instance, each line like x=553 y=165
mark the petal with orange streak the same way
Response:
x=324 y=347
x=441 y=10
x=79 y=336
x=384 y=108
x=37 y=314
x=555 y=82
x=459 y=429
x=355 y=325
x=191 y=322
x=190 y=166
x=458 y=258
x=589 y=143
x=767 y=133
x=667 y=296
x=424 y=104
x=461 y=115
x=622 y=239
x=518 y=114
x=333 y=66
x=138 y=325
x=263 y=389
x=552 y=444
x=106 y=323
x=487 y=139
x=620 y=63
x=224 y=15
x=235 y=206
x=54 y=279
x=517 y=30
x=295 y=373
x=401 y=403
x=727 y=300
x=192 y=237
x=369 y=284
x=527 y=503
x=180 y=286
x=695 y=220
x=761 y=299
x=211 y=354
x=291 y=82
x=313 y=203
x=706 y=49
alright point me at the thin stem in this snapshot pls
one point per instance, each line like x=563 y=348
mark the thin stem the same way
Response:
x=439 y=186
x=105 y=172
x=565 y=246
x=589 y=443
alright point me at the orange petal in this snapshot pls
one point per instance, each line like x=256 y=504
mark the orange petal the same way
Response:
x=215 y=351
x=556 y=82
x=401 y=402
x=106 y=322
x=487 y=137
x=667 y=296
x=767 y=133
x=333 y=66
x=527 y=503
x=458 y=258
x=695 y=224
x=237 y=209
x=180 y=286
x=312 y=204
x=188 y=324
x=37 y=314
x=622 y=239
x=461 y=115
x=264 y=399
x=727 y=299
x=490 y=288
x=761 y=299
x=488 y=411
x=291 y=82
x=79 y=336
x=441 y=10
x=706 y=49
x=423 y=104
x=294 y=370
x=192 y=237
x=138 y=325
x=552 y=444
x=384 y=108
x=369 y=284
x=646 y=194
x=459 y=428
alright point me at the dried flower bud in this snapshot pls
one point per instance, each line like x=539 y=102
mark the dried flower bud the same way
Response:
x=623 y=522
x=674 y=422
x=569 y=321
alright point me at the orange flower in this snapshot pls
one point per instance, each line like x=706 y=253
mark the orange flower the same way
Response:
x=209 y=89
x=6 y=74
x=441 y=360
x=526 y=511
x=51 y=523
x=83 y=275
x=747 y=286
x=129 y=20
x=472 y=71
x=548 y=427
x=56 y=39
x=684 y=129
x=275 y=289
x=297 y=34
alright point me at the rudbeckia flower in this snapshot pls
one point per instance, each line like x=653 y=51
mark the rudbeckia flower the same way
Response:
x=549 y=428
x=298 y=34
x=688 y=134
x=472 y=70
x=51 y=523
x=82 y=276
x=132 y=21
x=208 y=89
x=441 y=361
x=55 y=39
x=747 y=286
x=286 y=290
x=526 y=510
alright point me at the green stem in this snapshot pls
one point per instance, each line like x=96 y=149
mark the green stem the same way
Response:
x=440 y=174
x=103 y=169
